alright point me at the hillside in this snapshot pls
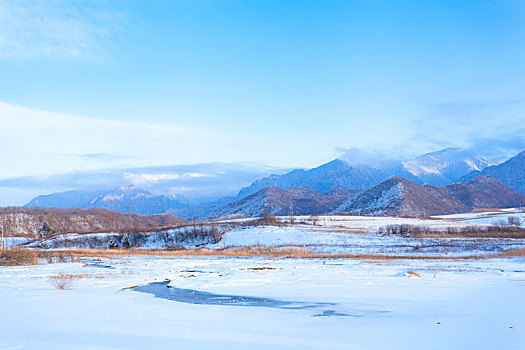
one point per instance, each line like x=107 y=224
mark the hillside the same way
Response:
x=486 y=192
x=296 y=201
x=446 y=166
x=336 y=174
x=26 y=221
x=400 y=197
x=511 y=173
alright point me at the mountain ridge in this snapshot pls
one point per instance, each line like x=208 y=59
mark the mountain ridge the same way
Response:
x=400 y=197
x=511 y=172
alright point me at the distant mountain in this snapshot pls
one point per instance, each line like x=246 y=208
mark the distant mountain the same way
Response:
x=338 y=173
x=296 y=201
x=399 y=197
x=511 y=173
x=122 y=199
x=202 y=210
x=70 y=199
x=197 y=182
x=446 y=166
x=486 y=192
x=436 y=168
x=358 y=173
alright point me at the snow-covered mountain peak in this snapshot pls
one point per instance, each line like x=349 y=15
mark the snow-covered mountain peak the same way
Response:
x=445 y=166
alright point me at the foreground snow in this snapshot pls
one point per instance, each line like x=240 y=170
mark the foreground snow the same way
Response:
x=454 y=305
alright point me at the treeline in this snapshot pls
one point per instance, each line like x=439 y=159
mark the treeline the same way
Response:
x=193 y=235
x=15 y=221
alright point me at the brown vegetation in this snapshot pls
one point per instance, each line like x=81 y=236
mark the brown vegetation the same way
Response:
x=264 y=251
x=27 y=257
x=17 y=257
x=196 y=234
x=64 y=281
x=26 y=221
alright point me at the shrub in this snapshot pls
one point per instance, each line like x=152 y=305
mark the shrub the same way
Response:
x=500 y=230
x=399 y=230
x=514 y=221
x=63 y=281
x=268 y=218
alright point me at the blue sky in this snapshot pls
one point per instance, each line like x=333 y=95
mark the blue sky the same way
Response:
x=104 y=84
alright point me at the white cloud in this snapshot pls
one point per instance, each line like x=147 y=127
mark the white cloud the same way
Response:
x=36 y=142
x=145 y=178
x=57 y=28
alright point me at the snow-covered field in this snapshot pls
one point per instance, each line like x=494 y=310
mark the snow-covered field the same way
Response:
x=349 y=304
x=10 y=242
x=487 y=218
x=329 y=242
x=370 y=224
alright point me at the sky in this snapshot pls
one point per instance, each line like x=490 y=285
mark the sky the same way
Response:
x=87 y=85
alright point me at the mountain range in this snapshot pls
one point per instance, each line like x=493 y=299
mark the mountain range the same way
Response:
x=123 y=199
x=292 y=201
x=445 y=166
x=340 y=185
x=400 y=197
x=511 y=172
x=436 y=168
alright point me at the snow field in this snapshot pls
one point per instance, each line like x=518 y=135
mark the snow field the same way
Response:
x=453 y=305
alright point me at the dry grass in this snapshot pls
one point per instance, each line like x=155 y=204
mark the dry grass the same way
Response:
x=17 y=257
x=229 y=251
x=65 y=281
x=412 y=274
x=262 y=251
x=272 y=252
x=513 y=252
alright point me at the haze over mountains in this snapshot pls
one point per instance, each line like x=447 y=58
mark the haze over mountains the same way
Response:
x=407 y=187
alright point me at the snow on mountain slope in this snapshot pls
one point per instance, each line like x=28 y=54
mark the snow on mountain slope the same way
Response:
x=122 y=199
x=274 y=200
x=400 y=197
x=511 y=173
x=338 y=173
x=445 y=166
x=436 y=168
x=69 y=199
